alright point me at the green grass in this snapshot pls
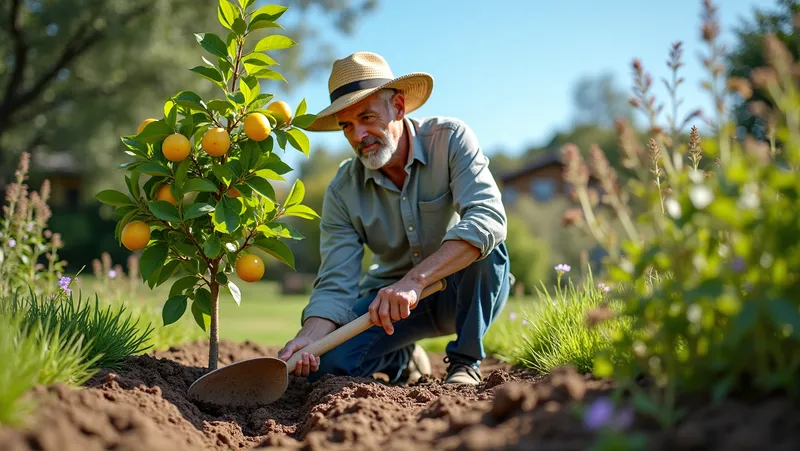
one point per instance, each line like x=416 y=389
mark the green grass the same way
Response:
x=33 y=354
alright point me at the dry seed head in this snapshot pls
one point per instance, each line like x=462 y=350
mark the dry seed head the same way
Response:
x=675 y=54
x=571 y=216
x=631 y=149
x=764 y=76
x=710 y=24
x=757 y=149
x=97 y=268
x=57 y=243
x=106 y=258
x=603 y=170
x=575 y=171
x=740 y=86
x=777 y=54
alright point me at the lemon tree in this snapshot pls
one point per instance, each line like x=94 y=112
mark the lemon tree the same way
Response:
x=200 y=203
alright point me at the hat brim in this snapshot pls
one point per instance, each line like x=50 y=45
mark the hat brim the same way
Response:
x=417 y=88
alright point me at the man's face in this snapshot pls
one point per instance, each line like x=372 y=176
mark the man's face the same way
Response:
x=373 y=129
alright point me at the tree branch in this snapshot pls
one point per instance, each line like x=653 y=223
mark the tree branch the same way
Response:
x=20 y=51
x=76 y=46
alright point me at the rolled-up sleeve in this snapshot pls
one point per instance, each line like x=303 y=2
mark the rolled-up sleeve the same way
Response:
x=335 y=289
x=476 y=196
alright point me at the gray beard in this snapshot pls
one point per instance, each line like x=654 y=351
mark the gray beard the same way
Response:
x=377 y=158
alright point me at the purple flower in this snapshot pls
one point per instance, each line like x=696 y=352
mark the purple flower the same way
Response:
x=604 y=287
x=12 y=242
x=601 y=413
x=562 y=268
x=112 y=273
x=525 y=322
x=512 y=316
x=738 y=265
x=64 y=283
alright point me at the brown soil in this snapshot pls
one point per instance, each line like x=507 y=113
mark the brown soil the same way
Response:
x=144 y=407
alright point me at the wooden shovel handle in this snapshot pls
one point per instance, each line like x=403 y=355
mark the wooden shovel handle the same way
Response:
x=350 y=330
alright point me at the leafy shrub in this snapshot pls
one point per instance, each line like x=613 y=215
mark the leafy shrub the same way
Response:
x=710 y=259
x=110 y=334
x=528 y=254
x=25 y=242
x=35 y=354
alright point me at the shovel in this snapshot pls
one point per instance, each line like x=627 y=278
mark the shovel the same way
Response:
x=263 y=380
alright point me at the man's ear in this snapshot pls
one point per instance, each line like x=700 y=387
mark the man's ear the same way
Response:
x=399 y=103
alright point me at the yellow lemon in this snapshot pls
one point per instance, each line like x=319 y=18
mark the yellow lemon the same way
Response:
x=250 y=268
x=216 y=141
x=144 y=124
x=256 y=126
x=135 y=235
x=281 y=111
x=164 y=193
x=176 y=147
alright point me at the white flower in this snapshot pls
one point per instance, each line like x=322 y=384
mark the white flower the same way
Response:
x=701 y=196
x=673 y=208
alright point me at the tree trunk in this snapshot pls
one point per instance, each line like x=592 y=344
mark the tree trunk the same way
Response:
x=213 y=348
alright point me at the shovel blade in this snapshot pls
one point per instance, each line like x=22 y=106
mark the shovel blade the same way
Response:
x=249 y=383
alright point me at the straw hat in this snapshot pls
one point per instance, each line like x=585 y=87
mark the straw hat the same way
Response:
x=357 y=76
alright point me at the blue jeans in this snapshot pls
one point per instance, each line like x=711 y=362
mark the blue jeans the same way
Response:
x=467 y=307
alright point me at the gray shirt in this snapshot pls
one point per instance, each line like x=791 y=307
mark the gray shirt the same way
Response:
x=449 y=194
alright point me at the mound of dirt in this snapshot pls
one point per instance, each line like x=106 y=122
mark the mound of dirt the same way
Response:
x=144 y=407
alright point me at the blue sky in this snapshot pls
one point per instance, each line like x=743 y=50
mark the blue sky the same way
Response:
x=470 y=47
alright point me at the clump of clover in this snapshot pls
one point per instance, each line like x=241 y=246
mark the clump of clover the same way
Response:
x=207 y=202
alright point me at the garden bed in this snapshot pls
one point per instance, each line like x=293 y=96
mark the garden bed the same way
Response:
x=144 y=406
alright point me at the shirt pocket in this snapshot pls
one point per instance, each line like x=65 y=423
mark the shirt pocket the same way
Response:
x=436 y=204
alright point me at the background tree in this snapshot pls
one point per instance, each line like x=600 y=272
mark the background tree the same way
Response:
x=748 y=54
x=71 y=81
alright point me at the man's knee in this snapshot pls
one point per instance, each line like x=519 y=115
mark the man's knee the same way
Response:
x=493 y=267
x=339 y=361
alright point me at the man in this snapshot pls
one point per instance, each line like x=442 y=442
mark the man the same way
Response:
x=421 y=196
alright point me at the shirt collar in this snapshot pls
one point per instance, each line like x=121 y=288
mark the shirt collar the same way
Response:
x=416 y=150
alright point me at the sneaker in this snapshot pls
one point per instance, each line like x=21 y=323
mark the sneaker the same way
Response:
x=459 y=372
x=418 y=365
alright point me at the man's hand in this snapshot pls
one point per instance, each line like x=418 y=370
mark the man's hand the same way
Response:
x=394 y=302
x=305 y=365
x=313 y=329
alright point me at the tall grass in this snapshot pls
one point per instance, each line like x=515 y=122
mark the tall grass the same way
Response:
x=557 y=328
x=35 y=354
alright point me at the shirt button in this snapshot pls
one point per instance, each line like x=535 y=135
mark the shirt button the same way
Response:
x=416 y=254
x=410 y=227
x=404 y=197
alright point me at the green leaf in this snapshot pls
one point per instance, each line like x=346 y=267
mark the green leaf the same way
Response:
x=209 y=73
x=221 y=278
x=202 y=298
x=115 y=198
x=181 y=171
x=260 y=101
x=154 y=132
x=250 y=155
x=784 y=313
x=183 y=284
x=227 y=13
x=223 y=174
x=246 y=3
x=237 y=98
x=167 y=271
x=274 y=42
x=200 y=318
x=298 y=140
x=301 y=211
x=239 y=26
x=198 y=210
x=164 y=210
x=189 y=99
x=152 y=259
x=277 y=249
x=173 y=309
x=256 y=61
x=274 y=163
x=235 y=292
x=223 y=107
x=280 y=135
x=261 y=186
x=171 y=114
x=226 y=215
x=304 y=120
x=266 y=16
x=268 y=74
x=269 y=174
x=201 y=185
x=250 y=88
x=153 y=168
x=296 y=194
x=213 y=44
x=212 y=247
x=139 y=148
x=301 y=108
